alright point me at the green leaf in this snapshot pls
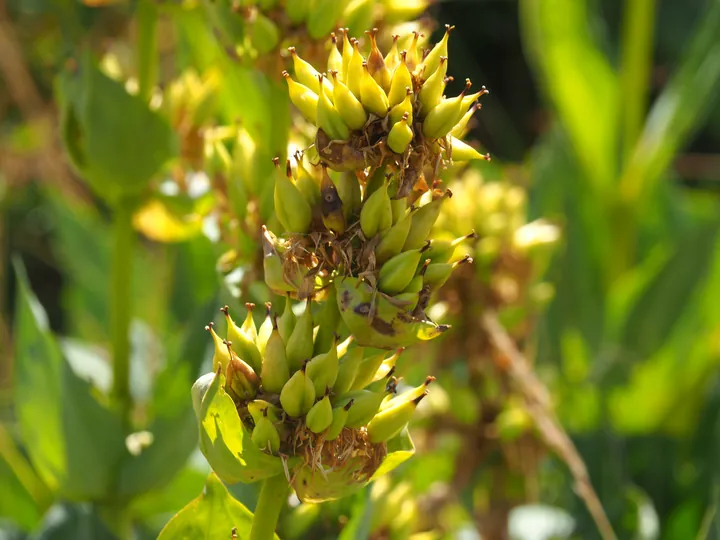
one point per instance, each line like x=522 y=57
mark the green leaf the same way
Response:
x=73 y=521
x=214 y=514
x=116 y=142
x=663 y=301
x=679 y=110
x=578 y=80
x=226 y=443
x=400 y=448
x=16 y=502
x=73 y=441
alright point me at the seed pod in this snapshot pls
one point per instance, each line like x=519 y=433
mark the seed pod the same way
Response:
x=303 y=98
x=400 y=136
x=327 y=322
x=422 y=222
x=275 y=371
x=300 y=343
x=320 y=416
x=265 y=435
x=398 y=272
x=243 y=345
x=432 y=89
x=329 y=119
x=392 y=58
x=376 y=63
x=399 y=208
x=298 y=394
x=248 y=326
x=433 y=59
x=241 y=379
x=441 y=119
x=306 y=74
x=393 y=239
x=464 y=152
x=401 y=109
x=438 y=273
x=221 y=357
x=461 y=128
x=339 y=418
x=365 y=406
x=413 y=55
x=442 y=251
x=349 y=190
x=350 y=109
x=366 y=371
x=286 y=322
x=199 y=389
x=372 y=96
x=335 y=60
x=400 y=82
x=354 y=72
x=347 y=53
x=347 y=371
x=306 y=183
x=323 y=369
x=376 y=213
x=291 y=207
x=388 y=423
x=408 y=395
x=259 y=408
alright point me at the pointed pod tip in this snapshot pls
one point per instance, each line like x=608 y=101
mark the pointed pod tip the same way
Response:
x=249 y=305
x=428 y=380
x=276 y=162
x=291 y=50
x=225 y=310
x=418 y=399
x=349 y=404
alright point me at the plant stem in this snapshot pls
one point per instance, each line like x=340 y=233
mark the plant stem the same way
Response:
x=120 y=306
x=271 y=502
x=637 y=48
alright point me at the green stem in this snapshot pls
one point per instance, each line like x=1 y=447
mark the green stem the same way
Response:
x=637 y=49
x=120 y=307
x=146 y=48
x=271 y=502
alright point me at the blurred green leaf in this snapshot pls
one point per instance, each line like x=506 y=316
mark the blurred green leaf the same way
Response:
x=678 y=112
x=117 y=143
x=16 y=503
x=399 y=449
x=578 y=79
x=213 y=514
x=73 y=441
x=654 y=315
x=72 y=522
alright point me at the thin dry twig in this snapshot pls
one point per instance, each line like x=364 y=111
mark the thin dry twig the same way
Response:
x=553 y=434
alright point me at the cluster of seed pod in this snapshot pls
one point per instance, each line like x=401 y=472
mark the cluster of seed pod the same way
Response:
x=357 y=220
x=332 y=405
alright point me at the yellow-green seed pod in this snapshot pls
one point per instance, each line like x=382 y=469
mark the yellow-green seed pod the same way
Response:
x=408 y=395
x=243 y=344
x=393 y=239
x=286 y=321
x=291 y=207
x=366 y=370
x=259 y=408
x=392 y=58
x=221 y=357
x=464 y=152
x=413 y=54
x=335 y=60
x=388 y=423
x=298 y=395
x=348 y=370
x=304 y=71
x=275 y=370
x=376 y=63
x=399 y=207
x=320 y=416
x=400 y=82
x=440 y=120
x=350 y=109
x=347 y=54
x=365 y=405
x=400 y=136
x=329 y=119
x=432 y=89
x=376 y=213
x=461 y=128
x=323 y=369
x=299 y=345
x=303 y=98
x=265 y=435
x=331 y=205
x=397 y=11
x=306 y=183
x=340 y=415
x=403 y=108
x=432 y=60
x=354 y=73
x=423 y=220
x=372 y=96
x=323 y=17
x=397 y=273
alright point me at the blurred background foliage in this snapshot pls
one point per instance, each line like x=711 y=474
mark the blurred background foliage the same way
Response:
x=602 y=120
